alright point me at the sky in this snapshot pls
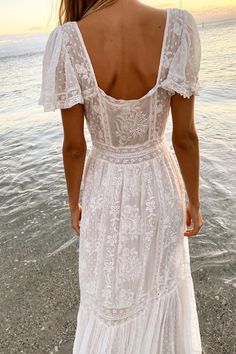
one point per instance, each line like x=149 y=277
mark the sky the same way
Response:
x=27 y=16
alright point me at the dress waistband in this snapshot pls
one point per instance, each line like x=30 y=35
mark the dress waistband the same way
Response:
x=131 y=154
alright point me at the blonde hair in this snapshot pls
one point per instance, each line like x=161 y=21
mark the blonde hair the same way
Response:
x=74 y=10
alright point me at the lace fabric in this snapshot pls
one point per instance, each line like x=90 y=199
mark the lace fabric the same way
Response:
x=131 y=155
x=136 y=290
x=60 y=86
x=183 y=67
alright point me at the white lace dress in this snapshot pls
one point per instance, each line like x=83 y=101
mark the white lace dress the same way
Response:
x=136 y=289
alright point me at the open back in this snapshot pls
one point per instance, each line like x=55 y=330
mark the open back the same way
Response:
x=117 y=122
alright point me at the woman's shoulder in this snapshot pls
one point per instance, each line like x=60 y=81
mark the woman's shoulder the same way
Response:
x=183 y=16
x=60 y=32
x=182 y=26
x=177 y=12
x=60 y=39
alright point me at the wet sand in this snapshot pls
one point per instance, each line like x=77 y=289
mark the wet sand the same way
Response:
x=39 y=291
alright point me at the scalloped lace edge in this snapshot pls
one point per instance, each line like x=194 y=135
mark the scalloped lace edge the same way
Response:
x=173 y=87
x=68 y=103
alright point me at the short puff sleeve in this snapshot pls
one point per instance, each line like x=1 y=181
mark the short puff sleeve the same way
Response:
x=183 y=73
x=60 y=86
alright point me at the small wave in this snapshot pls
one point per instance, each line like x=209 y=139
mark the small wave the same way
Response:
x=6 y=57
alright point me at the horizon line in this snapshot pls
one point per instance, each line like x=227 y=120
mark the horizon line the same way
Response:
x=48 y=31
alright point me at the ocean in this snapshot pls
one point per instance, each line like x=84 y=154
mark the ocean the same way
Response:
x=38 y=249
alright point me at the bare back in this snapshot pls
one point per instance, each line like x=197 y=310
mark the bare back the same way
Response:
x=124 y=43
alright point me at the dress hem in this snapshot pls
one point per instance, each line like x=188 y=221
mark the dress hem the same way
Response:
x=171 y=315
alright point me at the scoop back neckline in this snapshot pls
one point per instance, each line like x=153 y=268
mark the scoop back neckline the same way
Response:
x=158 y=75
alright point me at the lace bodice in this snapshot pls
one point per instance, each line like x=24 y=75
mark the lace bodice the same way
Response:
x=69 y=78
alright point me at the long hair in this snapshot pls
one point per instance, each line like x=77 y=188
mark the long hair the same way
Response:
x=74 y=10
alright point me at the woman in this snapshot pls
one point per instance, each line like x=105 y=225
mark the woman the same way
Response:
x=123 y=66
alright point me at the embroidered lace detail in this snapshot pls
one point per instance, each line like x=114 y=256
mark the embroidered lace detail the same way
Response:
x=60 y=85
x=61 y=101
x=145 y=204
x=133 y=125
x=129 y=155
x=117 y=316
x=172 y=86
x=182 y=56
x=150 y=330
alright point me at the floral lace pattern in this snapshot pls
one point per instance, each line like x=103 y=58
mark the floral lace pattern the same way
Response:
x=136 y=290
x=124 y=240
x=131 y=126
x=182 y=68
x=60 y=85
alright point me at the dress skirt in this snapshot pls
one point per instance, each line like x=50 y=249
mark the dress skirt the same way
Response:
x=136 y=289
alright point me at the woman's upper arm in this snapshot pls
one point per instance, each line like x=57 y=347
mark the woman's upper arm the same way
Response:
x=73 y=127
x=182 y=111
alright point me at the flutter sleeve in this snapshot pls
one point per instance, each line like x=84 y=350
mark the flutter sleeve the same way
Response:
x=60 y=87
x=183 y=73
